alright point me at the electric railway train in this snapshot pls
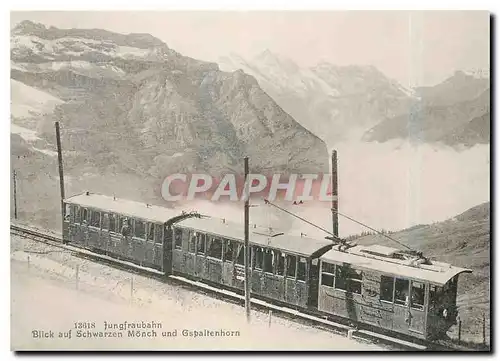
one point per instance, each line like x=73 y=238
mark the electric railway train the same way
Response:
x=386 y=288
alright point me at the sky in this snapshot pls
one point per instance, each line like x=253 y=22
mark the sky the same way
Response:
x=414 y=48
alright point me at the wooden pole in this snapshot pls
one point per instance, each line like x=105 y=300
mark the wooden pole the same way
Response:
x=335 y=202
x=247 y=247
x=15 y=192
x=61 y=173
x=270 y=317
x=131 y=288
x=484 y=330
x=459 y=331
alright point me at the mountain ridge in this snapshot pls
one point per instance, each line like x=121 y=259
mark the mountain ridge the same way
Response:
x=328 y=100
x=341 y=103
x=160 y=102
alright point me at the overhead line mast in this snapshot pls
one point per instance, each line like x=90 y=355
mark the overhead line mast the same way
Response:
x=334 y=235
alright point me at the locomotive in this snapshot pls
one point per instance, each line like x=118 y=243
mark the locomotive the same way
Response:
x=387 y=288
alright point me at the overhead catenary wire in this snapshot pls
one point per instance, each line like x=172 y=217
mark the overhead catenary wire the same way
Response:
x=373 y=229
x=342 y=215
x=302 y=219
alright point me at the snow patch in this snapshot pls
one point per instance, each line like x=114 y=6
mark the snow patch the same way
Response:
x=38 y=45
x=278 y=72
x=17 y=66
x=27 y=101
x=27 y=134
x=126 y=51
x=46 y=151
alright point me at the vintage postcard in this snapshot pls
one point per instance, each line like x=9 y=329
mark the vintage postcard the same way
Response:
x=250 y=180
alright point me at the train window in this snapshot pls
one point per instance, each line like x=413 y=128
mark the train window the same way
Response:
x=186 y=236
x=105 y=221
x=95 y=219
x=341 y=278
x=125 y=226
x=112 y=222
x=158 y=233
x=280 y=263
x=192 y=242
x=327 y=274
x=291 y=265
x=177 y=238
x=401 y=289
x=268 y=261
x=387 y=288
x=67 y=212
x=417 y=295
x=240 y=259
x=327 y=279
x=301 y=269
x=328 y=267
x=355 y=281
x=314 y=266
x=258 y=256
x=435 y=294
x=84 y=215
x=77 y=214
x=228 y=250
x=200 y=246
x=140 y=229
x=74 y=213
x=214 y=247
x=122 y=222
x=150 y=236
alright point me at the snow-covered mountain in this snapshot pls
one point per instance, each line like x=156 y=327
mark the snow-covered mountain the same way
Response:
x=129 y=102
x=455 y=112
x=339 y=102
x=331 y=101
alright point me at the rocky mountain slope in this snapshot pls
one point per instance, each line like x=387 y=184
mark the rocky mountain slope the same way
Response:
x=360 y=102
x=454 y=112
x=331 y=101
x=132 y=104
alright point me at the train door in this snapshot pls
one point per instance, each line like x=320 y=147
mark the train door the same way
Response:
x=402 y=317
x=75 y=227
x=418 y=294
x=188 y=248
x=239 y=267
x=158 y=242
x=66 y=224
x=84 y=227
x=313 y=282
x=94 y=229
x=177 y=254
x=114 y=234
x=168 y=237
x=105 y=229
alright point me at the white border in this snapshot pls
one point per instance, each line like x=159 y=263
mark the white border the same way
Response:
x=185 y=5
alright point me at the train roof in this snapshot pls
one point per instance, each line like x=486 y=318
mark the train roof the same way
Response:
x=122 y=206
x=381 y=259
x=299 y=245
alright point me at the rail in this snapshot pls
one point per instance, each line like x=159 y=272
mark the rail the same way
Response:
x=366 y=336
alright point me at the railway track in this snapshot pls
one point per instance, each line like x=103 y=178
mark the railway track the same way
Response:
x=310 y=319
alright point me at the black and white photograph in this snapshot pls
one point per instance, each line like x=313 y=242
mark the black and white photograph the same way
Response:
x=222 y=180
